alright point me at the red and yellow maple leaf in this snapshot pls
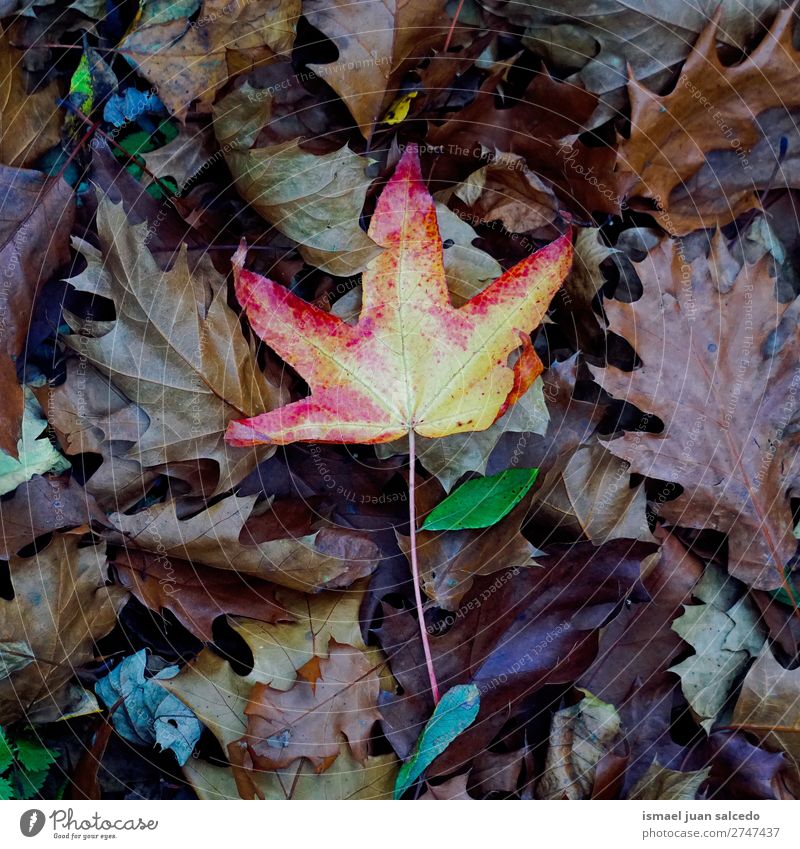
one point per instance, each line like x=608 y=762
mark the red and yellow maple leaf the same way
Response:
x=412 y=361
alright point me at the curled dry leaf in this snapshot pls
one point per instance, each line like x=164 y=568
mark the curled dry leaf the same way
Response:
x=196 y=595
x=189 y=59
x=726 y=634
x=375 y=52
x=89 y=416
x=769 y=705
x=30 y=121
x=35 y=222
x=61 y=606
x=580 y=735
x=294 y=663
x=660 y=782
x=41 y=505
x=218 y=537
x=314 y=199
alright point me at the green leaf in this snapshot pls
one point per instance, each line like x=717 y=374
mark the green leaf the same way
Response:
x=6 y=753
x=481 y=502
x=81 y=85
x=6 y=790
x=29 y=784
x=453 y=715
x=32 y=756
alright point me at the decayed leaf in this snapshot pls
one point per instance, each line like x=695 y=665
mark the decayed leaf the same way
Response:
x=36 y=455
x=331 y=558
x=769 y=705
x=61 y=605
x=294 y=663
x=41 y=505
x=506 y=190
x=602 y=498
x=442 y=370
x=600 y=39
x=718 y=364
x=90 y=415
x=314 y=199
x=143 y=713
x=190 y=151
x=579 y=737
x=374 y=47
x=308 y=720
x=660 y=782
x=345 y=779
x=196 y=595
x=188 y=59
x=541 y=126
x=712 y=107
x=29 y=121
x=35 y=221
x=725 y=634
x=282 y=651
x=176 y=347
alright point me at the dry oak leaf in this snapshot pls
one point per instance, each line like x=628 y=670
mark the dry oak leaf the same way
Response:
x=176 y=347
x=218 y=537
x=712 y=107
x=376 y=42
x=314 y=199
x=89 y=415
x=307 y=721
x=189 y=59
x=61 y=606
x=769 y=705
x=196 y=595
x=719 y=369
x=282 y=653
x=345 y=779
x=37 y=215
x=30 y=122
x=413 y=361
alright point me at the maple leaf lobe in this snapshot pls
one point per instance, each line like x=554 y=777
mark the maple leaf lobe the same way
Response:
x=413 y=360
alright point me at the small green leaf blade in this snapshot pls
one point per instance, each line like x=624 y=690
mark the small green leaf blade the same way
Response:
x=453 y=715
x=6 y=752
x=6 y=790
x=32 y=756
x=481 y=502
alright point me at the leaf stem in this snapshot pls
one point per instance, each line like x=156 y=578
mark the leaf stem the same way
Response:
x=412 y=516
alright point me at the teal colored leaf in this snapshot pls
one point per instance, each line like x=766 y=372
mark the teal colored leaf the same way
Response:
x=6 y=790
x=481 y=502
x=36 y=456
x=453 y=715
x=32 y=756
x=6 y=754
x=149 y=714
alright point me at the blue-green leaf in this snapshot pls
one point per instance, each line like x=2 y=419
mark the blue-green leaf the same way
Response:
x=453 y=715
x=148 y=714
x=481 y=502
